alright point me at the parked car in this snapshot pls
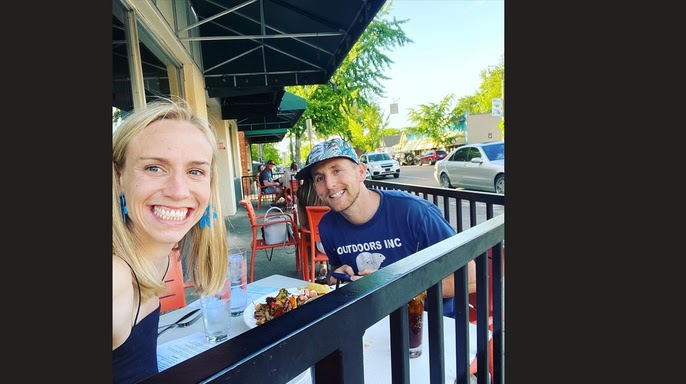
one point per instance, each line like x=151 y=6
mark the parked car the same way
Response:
x=474 y=166
x=380 y=164
x=405 y=158
x=431 y=157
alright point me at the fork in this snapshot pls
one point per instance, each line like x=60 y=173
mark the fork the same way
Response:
x=181 y=324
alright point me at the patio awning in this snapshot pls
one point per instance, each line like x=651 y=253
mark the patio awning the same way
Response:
x=271 y=127
x=275 y=43
x=252 y=49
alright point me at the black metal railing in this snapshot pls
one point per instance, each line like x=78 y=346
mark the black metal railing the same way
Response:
x=327 y=333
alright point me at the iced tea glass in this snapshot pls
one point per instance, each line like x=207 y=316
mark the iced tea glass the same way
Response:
x=415 y=314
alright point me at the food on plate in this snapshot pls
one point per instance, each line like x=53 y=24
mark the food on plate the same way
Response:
x=283 y=302
x=319 y=288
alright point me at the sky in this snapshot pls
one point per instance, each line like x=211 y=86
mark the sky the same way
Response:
x=454 y=40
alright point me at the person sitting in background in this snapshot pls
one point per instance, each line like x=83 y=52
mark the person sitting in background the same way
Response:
x=164 y=191
x=260 y=168
x=288 y=175
x=291 y=171
x=361 y=216
x=269 y=185
x=306 y=195
x=256 y=177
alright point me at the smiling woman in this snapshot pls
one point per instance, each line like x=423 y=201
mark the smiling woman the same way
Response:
x=164 y=192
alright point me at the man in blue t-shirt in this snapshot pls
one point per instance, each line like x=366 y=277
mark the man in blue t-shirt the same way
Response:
x=368 y=229
x=270 y=185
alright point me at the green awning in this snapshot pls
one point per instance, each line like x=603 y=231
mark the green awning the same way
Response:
x=272 y=126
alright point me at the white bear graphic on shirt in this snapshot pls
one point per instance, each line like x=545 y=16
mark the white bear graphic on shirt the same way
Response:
x=369 y=260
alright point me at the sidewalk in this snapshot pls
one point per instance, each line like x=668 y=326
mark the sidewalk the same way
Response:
x=240 y=236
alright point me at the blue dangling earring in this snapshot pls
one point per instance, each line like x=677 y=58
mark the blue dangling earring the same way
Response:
x=124 y=210
x=205 y=220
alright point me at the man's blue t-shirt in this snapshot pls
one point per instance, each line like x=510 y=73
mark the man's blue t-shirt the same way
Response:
x=403 y=225
x=265 y=175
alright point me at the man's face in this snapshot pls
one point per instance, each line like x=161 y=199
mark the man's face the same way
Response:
x=337 y=182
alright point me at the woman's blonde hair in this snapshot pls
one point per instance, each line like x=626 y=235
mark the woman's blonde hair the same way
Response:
x=207 y=256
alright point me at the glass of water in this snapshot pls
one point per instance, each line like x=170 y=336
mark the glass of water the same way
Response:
x=216 y=314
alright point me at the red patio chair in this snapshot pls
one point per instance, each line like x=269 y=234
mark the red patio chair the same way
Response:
x=257 y=240
x=261 y=195
x=314 y=215
x=175 y=298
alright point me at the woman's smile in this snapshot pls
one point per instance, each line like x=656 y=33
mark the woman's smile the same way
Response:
x=172 y=214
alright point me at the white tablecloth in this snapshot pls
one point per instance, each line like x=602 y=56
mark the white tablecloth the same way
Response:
x=180 y=344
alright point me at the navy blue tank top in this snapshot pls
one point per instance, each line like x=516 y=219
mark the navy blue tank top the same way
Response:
x=136 y=358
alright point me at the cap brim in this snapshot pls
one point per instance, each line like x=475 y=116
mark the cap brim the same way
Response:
x=306 y=174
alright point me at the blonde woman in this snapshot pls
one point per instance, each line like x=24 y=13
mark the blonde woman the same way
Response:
x=164 y=191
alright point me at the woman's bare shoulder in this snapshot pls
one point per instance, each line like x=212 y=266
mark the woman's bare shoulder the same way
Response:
x=121 y=273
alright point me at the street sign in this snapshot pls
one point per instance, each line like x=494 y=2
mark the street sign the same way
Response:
x=497 y=107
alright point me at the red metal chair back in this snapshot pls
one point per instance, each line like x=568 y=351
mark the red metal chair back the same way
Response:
x=314 y=215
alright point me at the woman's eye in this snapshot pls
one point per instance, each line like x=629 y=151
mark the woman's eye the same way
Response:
x=153 y=168
x=197 y=172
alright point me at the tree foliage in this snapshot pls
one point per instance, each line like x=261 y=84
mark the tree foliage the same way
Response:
x=491 y=87
x=435 y=121
x=116 y=115
x=269 y=152
x=346 y=109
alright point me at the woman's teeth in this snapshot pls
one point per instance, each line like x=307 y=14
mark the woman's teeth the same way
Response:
x=170 y=214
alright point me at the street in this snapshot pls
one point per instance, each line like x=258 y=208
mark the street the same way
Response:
x=424 y=176
x=415 y=174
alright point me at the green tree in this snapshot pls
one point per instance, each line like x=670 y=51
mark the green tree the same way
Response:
x=335 y=110
x=491 y=87
x=435 y=121
x=435 y=117
x=366 y=127
x=269 y=152
x=391 y=131
x=116 y=115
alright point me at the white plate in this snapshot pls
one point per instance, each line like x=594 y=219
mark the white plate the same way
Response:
x=249 y=312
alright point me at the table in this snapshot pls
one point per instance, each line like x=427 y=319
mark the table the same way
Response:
x=180 y=344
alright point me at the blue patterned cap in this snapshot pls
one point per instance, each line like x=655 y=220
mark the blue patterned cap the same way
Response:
x=324 y=151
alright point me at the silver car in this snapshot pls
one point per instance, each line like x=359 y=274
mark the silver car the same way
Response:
x=380 y=164
x=478 y=166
